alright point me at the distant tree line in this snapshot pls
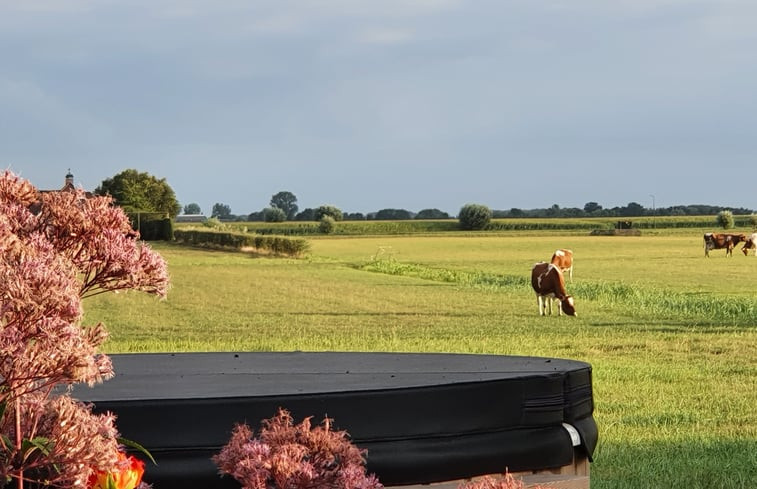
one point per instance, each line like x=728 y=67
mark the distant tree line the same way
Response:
x=590 y=209
x=139 y=192
x=633 y=209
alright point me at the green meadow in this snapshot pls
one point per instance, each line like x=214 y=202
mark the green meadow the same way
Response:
x=671 y=335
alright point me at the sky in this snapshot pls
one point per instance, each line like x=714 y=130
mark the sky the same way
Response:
x=391 y=104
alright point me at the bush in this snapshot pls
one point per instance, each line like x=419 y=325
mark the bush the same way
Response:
x=327 y=225
x=474 y=217
x=725 y=219
x=274 y=214
x=753 y=221
x=277 y=245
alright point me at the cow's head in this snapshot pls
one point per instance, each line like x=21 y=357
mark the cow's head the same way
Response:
x=568 y=306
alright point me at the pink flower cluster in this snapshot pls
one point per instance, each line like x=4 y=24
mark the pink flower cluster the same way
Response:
x=55 y=249
x=289 y=456
x=506 y=481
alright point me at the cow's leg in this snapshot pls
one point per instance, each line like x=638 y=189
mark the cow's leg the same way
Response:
x=540 y=302
x=559 y=307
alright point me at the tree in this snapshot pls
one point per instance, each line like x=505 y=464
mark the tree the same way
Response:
x=591 y=207
x=431 y=214
x=632 y=209
x=192 y=209
x=352 y=216
x=59 y=248
x=135 y=192
x=393 y=215
x=306 y=215
x=474 y=216
x=287 y=202
x=328 y=210
x=221 y=211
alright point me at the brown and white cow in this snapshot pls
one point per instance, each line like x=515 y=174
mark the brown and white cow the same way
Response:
x=717 y=241
x=548 y=283
x=750 y=244
x=563 y=259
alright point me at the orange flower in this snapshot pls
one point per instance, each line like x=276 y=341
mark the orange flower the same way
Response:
x=127 y=474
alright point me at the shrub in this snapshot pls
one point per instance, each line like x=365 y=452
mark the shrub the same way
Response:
x=278 y=245
x=327 y=225
x=474 y=217
x=753 y=221
x=274 y=214
x=213 y=222
x=288 y=456
x=725 y=219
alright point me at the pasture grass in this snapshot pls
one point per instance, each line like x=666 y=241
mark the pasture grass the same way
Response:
x=670 y=334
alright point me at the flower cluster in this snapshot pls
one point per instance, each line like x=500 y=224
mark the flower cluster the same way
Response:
x=506 y=481
x=289 y=456
x=55 y=249
x=126 y=474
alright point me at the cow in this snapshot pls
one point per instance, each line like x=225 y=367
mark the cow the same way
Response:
x=750 y=244
x=548 y=283
x=717 y=241
x=563 y=259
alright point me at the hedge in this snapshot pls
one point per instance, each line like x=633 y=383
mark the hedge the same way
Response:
x=277 y=245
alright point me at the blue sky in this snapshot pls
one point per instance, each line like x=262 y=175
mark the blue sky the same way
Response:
x=369 y=105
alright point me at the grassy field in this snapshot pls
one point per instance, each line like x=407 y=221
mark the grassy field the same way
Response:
x=670 y=334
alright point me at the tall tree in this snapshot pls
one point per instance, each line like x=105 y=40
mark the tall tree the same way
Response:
x=590 y=207
x=136 y=191
x=287 y=202
x=221 y=211
x=192 y=209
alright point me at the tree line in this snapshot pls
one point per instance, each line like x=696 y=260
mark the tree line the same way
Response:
x=140 y=192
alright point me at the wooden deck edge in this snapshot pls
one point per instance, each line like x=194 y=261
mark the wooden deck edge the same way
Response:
x=529 y=481
x=572 y=476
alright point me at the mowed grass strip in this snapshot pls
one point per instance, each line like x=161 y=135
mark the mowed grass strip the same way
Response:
x=674 y=393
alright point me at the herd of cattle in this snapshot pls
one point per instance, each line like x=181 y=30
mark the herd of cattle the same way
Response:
x=548 y=281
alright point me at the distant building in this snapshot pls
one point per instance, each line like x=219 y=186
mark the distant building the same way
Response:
x=68 y=185
x=190 y=218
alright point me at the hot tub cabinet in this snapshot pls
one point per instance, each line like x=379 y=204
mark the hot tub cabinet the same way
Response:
x=423 y=418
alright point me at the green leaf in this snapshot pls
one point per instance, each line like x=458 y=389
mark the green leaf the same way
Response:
x=137 y=446
x=28 y=447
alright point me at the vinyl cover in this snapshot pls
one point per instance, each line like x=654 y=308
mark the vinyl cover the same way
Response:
x=421 y=417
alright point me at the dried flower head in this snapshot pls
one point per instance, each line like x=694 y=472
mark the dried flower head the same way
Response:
x=505 y=481
x=289 y=456
x=55 y=249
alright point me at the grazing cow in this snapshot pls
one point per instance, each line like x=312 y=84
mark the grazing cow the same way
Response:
x=750 y=244
x=549 y=284
x=563 y=259
x=717 y=241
